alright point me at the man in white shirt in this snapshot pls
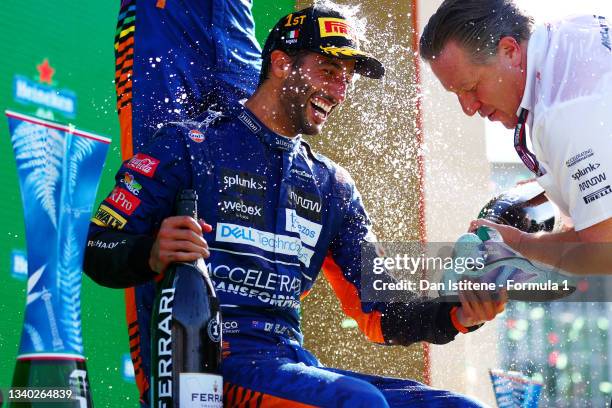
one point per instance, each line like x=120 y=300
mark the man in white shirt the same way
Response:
x=556 y=79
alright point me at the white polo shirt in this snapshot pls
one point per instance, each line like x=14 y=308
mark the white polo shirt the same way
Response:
x=569 y=96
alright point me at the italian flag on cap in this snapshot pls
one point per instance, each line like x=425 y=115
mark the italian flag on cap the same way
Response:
x=293 y=34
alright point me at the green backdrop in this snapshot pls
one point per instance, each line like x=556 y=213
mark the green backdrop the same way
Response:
x=77 y=40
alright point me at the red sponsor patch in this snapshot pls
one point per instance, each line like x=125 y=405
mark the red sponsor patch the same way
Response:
x=123 y=200
x=143 y=164
x=196 y=136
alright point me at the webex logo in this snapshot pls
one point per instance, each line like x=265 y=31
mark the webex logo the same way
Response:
x=245 y=210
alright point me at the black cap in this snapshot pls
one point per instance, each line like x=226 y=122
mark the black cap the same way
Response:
x=324 y=31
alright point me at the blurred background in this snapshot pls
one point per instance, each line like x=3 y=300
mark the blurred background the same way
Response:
x=424 y=169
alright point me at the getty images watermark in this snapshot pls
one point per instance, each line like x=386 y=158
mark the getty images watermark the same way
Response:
x=396 y=272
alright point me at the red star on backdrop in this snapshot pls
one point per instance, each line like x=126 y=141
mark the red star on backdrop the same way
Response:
x=45 y=71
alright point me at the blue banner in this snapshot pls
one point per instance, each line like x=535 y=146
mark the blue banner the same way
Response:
x=59 y=169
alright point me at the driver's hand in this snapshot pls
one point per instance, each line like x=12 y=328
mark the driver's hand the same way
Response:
x=179 y=239
x=480 y=306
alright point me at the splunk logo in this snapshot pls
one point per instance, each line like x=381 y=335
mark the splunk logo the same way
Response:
x=587 y=170
x=243 y=182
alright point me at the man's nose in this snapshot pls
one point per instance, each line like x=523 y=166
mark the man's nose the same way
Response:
x=338 y=90
x=469 y=103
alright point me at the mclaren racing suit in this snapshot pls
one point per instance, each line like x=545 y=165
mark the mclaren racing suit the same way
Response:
x=171 y=55
x=280 y=213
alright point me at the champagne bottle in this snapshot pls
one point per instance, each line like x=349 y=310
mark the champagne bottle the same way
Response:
x=34 y=380
x=186 y=333
x=524 y=207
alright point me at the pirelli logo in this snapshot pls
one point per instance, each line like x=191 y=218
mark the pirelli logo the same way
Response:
x=334 y=27
x=106 y=217
x=597 y=194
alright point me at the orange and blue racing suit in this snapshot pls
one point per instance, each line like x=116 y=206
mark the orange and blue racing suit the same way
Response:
x=172 y=59
x=280 y=213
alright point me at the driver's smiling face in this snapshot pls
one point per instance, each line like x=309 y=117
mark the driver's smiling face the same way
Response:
x=316 y=85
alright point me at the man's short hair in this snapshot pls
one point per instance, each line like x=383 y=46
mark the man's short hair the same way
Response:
x=476 y=26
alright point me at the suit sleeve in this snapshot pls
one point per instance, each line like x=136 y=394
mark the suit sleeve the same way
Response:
x=409 y=320
x=122 y=230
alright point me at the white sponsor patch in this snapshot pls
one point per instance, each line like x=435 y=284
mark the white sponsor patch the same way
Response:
x=267 y=241
x=309 y=231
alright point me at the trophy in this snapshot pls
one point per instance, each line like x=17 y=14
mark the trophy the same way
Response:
x=59 y=169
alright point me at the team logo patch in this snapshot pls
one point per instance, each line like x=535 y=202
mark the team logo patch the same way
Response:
x=143 y=164
x=196 y=136
x=123 y=200
x=131 y=184
x=106 y=217
x=334 y=27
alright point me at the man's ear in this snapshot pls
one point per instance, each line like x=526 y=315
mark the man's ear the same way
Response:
x=510 y=50
x=280 y=64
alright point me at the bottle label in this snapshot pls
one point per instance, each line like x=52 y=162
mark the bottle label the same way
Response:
x=198 y=390
x=214 y=329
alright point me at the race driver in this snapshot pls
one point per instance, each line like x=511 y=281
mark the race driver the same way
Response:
x=276 y=213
